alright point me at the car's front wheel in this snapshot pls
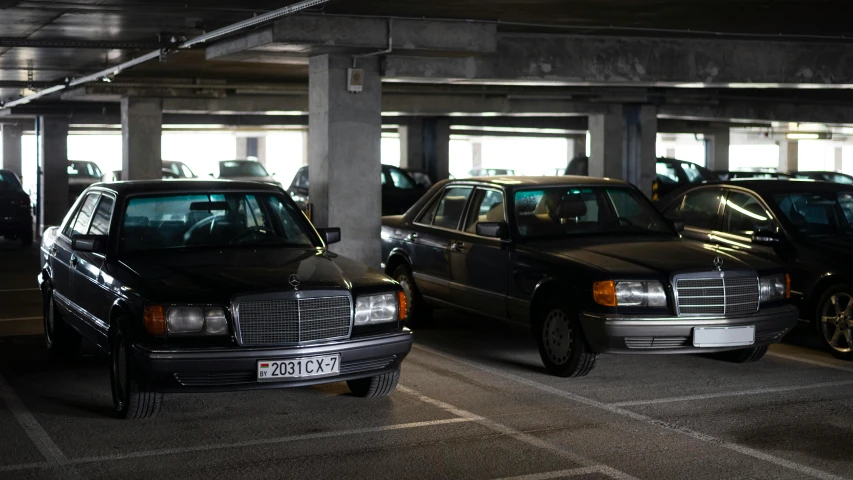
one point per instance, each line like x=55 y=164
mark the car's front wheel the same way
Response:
x=562 y=344
x=377 y=386
x=129 y=399
x=419 y=313
x=59 y=337
x=835 y=321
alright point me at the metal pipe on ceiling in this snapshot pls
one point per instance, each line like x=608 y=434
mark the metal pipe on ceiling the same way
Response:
x=215 y=34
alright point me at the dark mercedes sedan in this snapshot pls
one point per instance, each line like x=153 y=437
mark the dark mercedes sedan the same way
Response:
x=16 y=215
x=212 y=285
x=806 y=225
x=588 y=265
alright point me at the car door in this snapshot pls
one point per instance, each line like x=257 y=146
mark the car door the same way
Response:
x=434 y=231
x=92 y=293
x=65 y=259
x=700 y=212
x=478 y=265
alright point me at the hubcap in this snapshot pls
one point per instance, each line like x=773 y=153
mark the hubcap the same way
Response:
x=557 y=337
x=836 y=323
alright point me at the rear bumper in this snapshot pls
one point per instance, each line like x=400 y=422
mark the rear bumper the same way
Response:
x=228 y=369
x=15 y=225
x=662 y=335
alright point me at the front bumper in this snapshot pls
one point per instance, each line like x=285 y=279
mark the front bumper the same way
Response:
x=227 y=369
x=661 y=335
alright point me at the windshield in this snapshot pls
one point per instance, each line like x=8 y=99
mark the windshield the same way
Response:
x=8 y=181
x=242 y=169
x=212 y=220
x=83 y=169
x=818 y=214
x=566 y=211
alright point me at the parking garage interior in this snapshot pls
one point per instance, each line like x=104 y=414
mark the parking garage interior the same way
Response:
x=442 y=88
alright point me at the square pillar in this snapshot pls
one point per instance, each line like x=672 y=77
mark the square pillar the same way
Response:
x=623 y=144
x=576 y=147
x=789 y=155
x=344 y=154
x=252 y=147
x=477 y=152
x=55 y=200
x=412 y=144
x=11 y=159
x=141 y=136
x=839 y=159
x=717 y=150
x=436 y=147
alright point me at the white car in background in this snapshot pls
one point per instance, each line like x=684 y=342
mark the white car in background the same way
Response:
x=245 y=170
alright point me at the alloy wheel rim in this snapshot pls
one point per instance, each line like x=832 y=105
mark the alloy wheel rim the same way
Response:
x=557 y=337
x=836 y=322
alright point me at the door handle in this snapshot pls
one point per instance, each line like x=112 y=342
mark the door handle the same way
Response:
x=457 y=247
x=412 y=237
x=74 y=260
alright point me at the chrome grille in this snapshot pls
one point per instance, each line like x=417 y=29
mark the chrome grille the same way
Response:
x=716 y=294
x=293 y=321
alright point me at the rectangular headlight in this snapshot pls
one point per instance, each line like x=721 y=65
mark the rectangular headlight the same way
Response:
x=773 y=288
x=184 y=320
x=376 y=309
x=640 y=294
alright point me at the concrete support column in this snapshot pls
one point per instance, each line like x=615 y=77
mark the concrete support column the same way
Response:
x=477 y=152
x=141 y=135
x=412 y=145
x=344 y=154
x=839 y=159
x=789 y=155
x=11 y=159
x=576 y=146
x=717 y=150
x=622 y=144
x=54 y=154
x=436 y=146
x=252 y=147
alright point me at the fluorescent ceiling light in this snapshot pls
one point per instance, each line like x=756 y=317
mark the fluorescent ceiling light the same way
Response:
x=803 y=136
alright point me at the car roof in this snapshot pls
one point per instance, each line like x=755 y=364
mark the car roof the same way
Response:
x=515 y=181
x=134 y=187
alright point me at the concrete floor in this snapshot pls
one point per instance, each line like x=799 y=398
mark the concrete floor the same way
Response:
x=474 y=402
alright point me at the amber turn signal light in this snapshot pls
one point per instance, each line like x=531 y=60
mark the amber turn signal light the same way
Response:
x=155 y=319
x=604 y=293
x=787 y=286
x=403 y=306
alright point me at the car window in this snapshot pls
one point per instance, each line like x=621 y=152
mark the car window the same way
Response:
x=487 y=206
x=400 y=179
x=227 y=219
x=691 y=170
x=744 y=215
x=101 y=219
x=187 y=172
x=80 y=224
x=666 y=173
x=818 y=213
x=449 y=209
x=841 y=179
x=701 y=207
x=242 y=169
x=382 y=178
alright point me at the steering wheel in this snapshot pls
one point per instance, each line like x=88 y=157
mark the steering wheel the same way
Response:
x=253 y=231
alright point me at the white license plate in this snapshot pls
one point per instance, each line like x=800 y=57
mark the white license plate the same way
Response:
x=723 y=336
x=271 y=370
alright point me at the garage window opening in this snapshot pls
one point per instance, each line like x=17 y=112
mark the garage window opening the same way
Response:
x=215 y=220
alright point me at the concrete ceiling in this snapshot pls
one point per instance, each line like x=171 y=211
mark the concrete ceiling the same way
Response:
x=42 y=42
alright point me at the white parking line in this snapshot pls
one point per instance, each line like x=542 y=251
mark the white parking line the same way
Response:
x=20 y=319
x=797 y=467
x=248 y=443
x=518 y=435
x=816 y=363
x=45 y=445
x=573 y=472
x=741 y=393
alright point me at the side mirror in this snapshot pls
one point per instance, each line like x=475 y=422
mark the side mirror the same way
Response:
x=89 y=243
x=492 y=229
x=211 y=175
x=766 y=238
x=330 y=235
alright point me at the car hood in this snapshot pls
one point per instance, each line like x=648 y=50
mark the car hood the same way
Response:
x=658 y=257
x=217 y=275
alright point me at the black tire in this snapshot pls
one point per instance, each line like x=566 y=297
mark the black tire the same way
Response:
x=130 y=400
x=562 y=344
x=420 y=313
x=59 y=337
x=746 y=355
x=834 y=321
x=378 y=386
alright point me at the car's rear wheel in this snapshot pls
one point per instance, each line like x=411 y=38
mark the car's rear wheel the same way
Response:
x=419 y=312
x=377 y=386
x=130 y=400
x=834 y=321
x=59 y=337
x=746 y=355
x=562 y=345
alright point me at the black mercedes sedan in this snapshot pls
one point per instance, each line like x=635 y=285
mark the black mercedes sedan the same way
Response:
x=806 y=225
x=215 y=285
x=588 y=265
x=16 y=214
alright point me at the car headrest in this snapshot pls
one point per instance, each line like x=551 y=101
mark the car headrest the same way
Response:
x=131 y=221
x=453 y=206
x=496 y=213
x=570 y=206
